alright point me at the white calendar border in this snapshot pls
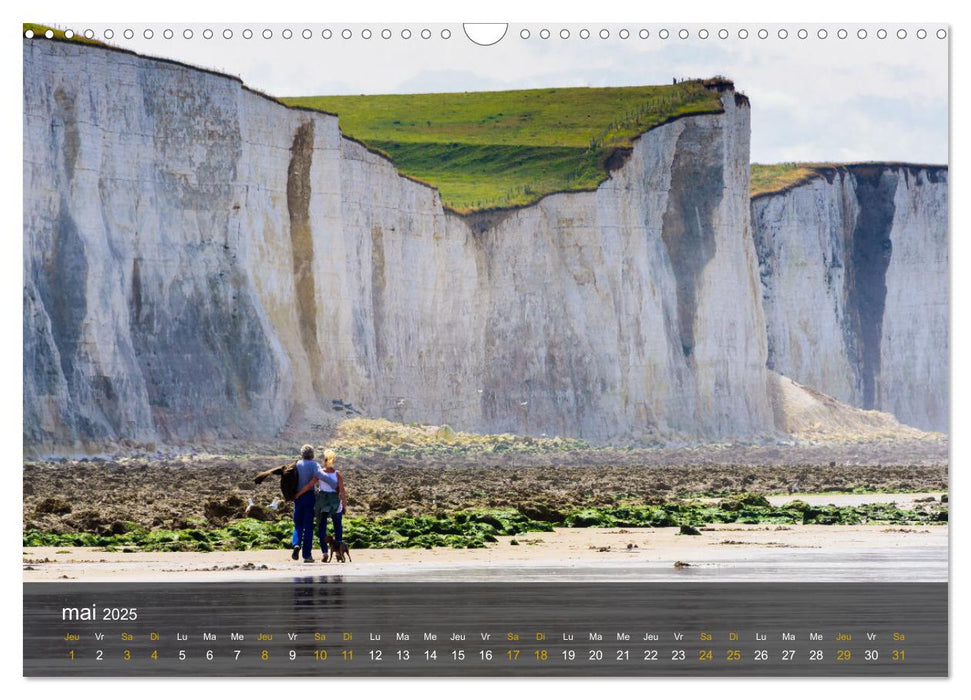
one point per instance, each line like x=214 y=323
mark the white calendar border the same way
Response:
x=456 y=11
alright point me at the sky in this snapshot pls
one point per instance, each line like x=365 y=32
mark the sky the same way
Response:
x=813 y=98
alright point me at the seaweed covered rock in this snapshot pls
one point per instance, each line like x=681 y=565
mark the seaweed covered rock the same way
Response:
x=745 y=500
x=465 y=529
x=589 y=517
x=258 y=512
x=542 y=512
x=220 y=512
x=89 y=521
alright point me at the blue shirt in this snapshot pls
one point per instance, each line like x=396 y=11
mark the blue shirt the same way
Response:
x=306 y=470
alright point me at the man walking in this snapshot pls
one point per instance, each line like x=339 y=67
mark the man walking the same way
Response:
x=303 y=506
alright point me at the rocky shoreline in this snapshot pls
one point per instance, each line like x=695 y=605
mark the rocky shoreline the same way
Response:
x=110 y=496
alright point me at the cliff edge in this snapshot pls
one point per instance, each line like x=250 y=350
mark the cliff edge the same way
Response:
x=854 y=271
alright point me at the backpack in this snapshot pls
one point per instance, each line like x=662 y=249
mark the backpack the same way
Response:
x=289 y=479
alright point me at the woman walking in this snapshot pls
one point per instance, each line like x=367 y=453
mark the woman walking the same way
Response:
x=331 y=502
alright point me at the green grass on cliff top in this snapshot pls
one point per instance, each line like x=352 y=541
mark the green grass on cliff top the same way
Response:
x=488 y=150
x=780 y=177
x=768 y=179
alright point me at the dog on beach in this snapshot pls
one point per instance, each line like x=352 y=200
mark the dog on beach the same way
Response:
x=339 y=548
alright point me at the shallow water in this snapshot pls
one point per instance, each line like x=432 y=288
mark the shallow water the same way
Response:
x=925 y=564
x=928 y=563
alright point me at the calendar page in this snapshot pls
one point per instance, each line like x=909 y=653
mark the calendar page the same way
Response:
x=485 y=350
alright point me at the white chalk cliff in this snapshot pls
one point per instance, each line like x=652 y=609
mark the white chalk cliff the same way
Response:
x=855 y=287
x=202 y=263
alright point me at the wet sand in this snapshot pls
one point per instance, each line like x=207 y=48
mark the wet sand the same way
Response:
x=721 y=552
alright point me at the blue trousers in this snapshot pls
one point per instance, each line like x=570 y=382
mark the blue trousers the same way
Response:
x=338 y=519
x=303 y=524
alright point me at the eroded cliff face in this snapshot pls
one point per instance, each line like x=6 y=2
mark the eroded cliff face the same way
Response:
x=854 y=277
x=202 y=263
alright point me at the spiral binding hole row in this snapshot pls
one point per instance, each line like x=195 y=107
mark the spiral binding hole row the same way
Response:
x=663 y=34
